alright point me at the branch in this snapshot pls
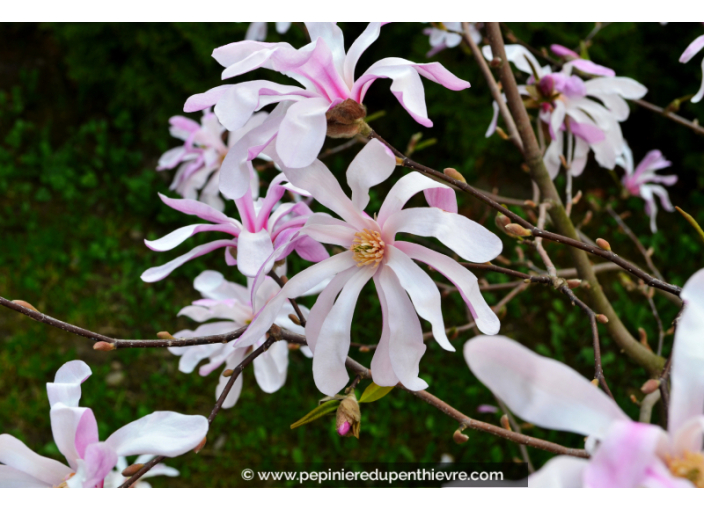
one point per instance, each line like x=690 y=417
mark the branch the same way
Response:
x=636 y=241
x=281 y=283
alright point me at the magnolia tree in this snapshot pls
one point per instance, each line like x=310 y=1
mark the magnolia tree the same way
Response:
x=558 y=109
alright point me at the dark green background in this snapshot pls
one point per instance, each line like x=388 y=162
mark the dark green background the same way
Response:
x=84 y=114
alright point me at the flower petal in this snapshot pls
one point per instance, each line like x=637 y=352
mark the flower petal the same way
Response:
x=11 y=478
x=442 y=198
x=323 y=305
x=302 y=132
x=74 y=428
x=16 y=455
x=195 y=208
x=253 y=249
x=382 y=369
x=539 y=389
x=99 y=460
x=178 y=236
x=66 y=387
x=371 y=166
x=401 y=192
x=694 y=48
x=359 y=46
x=160 y=433
x=232 y=361
x=270 y=367
x=155 y=274
x=559 y=472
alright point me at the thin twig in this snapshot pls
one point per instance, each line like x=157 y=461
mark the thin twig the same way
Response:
x=636 y=241
x=296 y=308
x=515 y=426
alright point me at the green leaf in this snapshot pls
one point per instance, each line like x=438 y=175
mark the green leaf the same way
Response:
x=692 y=222
x=318 y=412
x=374 y=392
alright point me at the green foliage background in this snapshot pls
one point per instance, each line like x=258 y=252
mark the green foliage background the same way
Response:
x=84 y=112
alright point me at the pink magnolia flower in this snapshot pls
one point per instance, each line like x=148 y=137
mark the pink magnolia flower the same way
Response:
x=200 y=157
x=449 y=37
x=688 y=54
x=637 y=182
x=372 y=252
x=568 y=111
x=114 y=478
x=257 y=30
x=263 y=228
x=299 y=124
x=76 y=435
x=623 y=453
x=232 y=304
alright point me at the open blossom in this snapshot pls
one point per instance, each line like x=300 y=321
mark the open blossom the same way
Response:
x=75 y=433
x=257 y=30
x=231 y=303
x=329 y=102
x=688 y=54
x=449 y=35
x=201 y=155
x=263 y=227
x=567 y=110
x=623 y=453
x=115 y=478
x=372 y=252
x=637 y=182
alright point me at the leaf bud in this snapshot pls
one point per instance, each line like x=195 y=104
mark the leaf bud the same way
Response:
x=165 y=335
x=228 y=372
x=104 y=346
x=603 y=244
x=459 y=438
x=505 y=423
x=454 y=174
x=517 y=230
x=602 y=318
x=131 y=470
x=294 y=318
x=495 y=62
x=650 y=386
x=25 y=304
x=574 y=283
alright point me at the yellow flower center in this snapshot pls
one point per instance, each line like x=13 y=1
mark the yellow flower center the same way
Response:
x=64 y=485
x=689 y=466
x=367 y=248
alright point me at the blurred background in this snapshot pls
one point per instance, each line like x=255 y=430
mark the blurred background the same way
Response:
x=84 y=115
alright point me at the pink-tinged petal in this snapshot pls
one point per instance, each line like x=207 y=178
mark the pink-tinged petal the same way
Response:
x=382 y=369
x=552 y=155
x=253 y=249
x=233 y=396
x=658 y=476
x=310 y=250
x=296 y=286
x=520 y=57
x=557 y=117
x=590 y=67
x=270 y=367
x=465 y=281
x=688 y=437
x=11 y=478
x=333 y=342
x=406 y=346
x=587 y=132
x=334 y=41
x=323 y=305
x=235 y=52
x=652 y=162
x=559 y=472
x=178 y=236
x=401 y=192
x=624 y=454
x=494 y=120
x=273 y=195
x=694 y=48
x=99 y=460
x=245 y=207
x=663 y=195
x=65 y=426
x=160 y=433
x=651 y=206
x=423 y=292
x=171 y=158
x=442 y=198
x=326 y=189
x=616 y=105
x=256 y=31
x=467 y=238
x=561 y=51
x=198 y=102
x=371 y=166
x=579 y=161
x=359 y=46
x=66 y=387
x=16 y=455
x=700 y=94
x=486 y=408
x=212 y=284
x=329 y=230
x=687 y=393
x=195 y=208
x=302 y=132
x=254 y=60
x=159 y=273
x=539 y=389
x=627 y=88
x=182 y=127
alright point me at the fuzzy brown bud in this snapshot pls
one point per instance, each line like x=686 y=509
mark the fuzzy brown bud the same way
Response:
x=200 y=446
x=228 y=372
x=501 y=221
x=104 y=346
x=650 y=386
x=131 y=470
x=348 y=417
x=517 y=230
x=25 y=304
x=602 y=318
x=346 y=120
x=603 y=244
x=454 y=174
x=165 y=335
x=459 y=438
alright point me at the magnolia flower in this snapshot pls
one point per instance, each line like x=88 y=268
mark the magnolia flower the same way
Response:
x=262 y=229
x=449 y=35
x=231 y=302
x=636 y=182
x=76 y=435
x=692 y=50
x=623 y=453
x=115 y=478
x=201 y=155
x=566 y=110
x=372 y=252
x=257 y=30
x=329 y=102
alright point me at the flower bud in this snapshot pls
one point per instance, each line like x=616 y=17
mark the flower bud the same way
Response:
x=294 y=318
x=603 y=244
x=602 y=318
x=228 y=372
x=505 y=423
x=517 y=230
x=454 y=174
x=200 y=446
x=131 y=470
x=348 y=416
x=25 y=304
x=459 y=438
x=650 y=386
x=165 y=335
x=500 y=220
x=104 y=346
x=346 y=120
x=574 y=283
